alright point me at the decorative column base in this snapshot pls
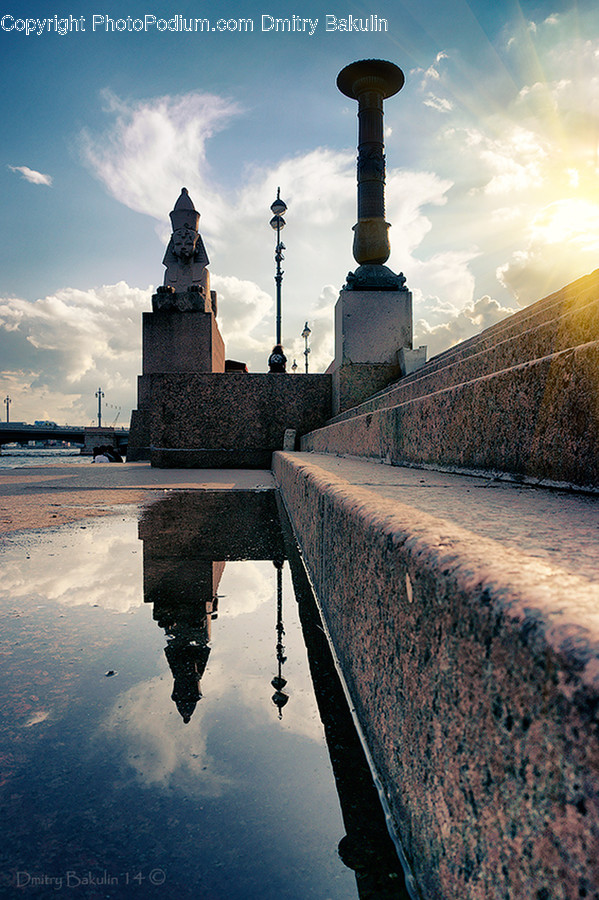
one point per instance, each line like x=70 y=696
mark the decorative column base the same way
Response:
x=370 y=327
x=354 y=383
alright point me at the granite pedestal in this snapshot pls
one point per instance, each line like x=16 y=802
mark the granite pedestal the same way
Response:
x=178 y=342
x=370 y=328
x=173 y=343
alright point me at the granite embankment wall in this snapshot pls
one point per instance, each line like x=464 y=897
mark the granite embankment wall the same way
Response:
x=224 y=420
x=522 y=398
x=474 y=671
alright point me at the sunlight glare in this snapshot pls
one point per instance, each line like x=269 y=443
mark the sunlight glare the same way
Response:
x=569 y=221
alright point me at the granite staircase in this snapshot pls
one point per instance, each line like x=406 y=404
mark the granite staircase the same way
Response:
x=464 y=611
x=520 y=398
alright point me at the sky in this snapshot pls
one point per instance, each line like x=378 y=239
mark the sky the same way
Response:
x=492 y=173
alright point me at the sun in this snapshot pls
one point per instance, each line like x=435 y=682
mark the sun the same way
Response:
x=570 y=221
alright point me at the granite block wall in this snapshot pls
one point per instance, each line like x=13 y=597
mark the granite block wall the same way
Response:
x=538 y=420
x=230 y=419
x=474 y=671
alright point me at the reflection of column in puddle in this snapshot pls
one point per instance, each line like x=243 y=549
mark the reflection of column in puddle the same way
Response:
x=280 y=698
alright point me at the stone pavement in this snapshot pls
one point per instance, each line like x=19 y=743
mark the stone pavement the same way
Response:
x=43 y=496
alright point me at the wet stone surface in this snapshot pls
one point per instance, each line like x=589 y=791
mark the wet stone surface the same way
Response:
x=142 y=753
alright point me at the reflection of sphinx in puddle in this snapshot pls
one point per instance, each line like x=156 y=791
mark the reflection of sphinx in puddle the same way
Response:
x=187 y=539
x=187 y=661
x=187 y=627
x=182 y=536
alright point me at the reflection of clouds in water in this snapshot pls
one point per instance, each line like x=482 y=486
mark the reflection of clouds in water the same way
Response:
x=300 y=715
x=148 y=730
x=251 y=587
x=245 y=586
x=161 y=750
x=102 y=564
x=98 y=564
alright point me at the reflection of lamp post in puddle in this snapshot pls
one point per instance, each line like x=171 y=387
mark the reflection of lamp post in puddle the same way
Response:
x=279 y=698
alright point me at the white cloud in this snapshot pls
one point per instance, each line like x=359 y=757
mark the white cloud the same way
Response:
x=155 y=147
x=32 y=176
x=432 y=72
x=245 y=306
x=512 y=162
x=439 y=103
x=408 y=194
x=458 y=325
x=61 y=347
x=100 y=565
x=446 y=275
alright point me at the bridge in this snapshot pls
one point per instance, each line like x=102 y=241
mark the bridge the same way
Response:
x=20 y=433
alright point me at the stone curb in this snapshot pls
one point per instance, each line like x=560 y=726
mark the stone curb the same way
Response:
x=474 y=670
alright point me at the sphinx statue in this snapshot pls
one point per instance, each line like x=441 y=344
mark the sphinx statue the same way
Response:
x=186 y=280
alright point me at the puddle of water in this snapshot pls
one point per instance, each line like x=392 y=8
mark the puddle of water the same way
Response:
x=161 y=734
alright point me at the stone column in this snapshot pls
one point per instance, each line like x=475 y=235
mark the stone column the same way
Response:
x=373 y=316
x=370 y=82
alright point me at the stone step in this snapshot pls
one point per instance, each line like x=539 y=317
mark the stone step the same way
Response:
x=568 y=300
x=464 y=616
x=568 y=318
x=538 y=420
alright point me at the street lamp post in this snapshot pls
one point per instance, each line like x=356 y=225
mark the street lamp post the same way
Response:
x=277 y=223
x=99 y=395
x=306 y=334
